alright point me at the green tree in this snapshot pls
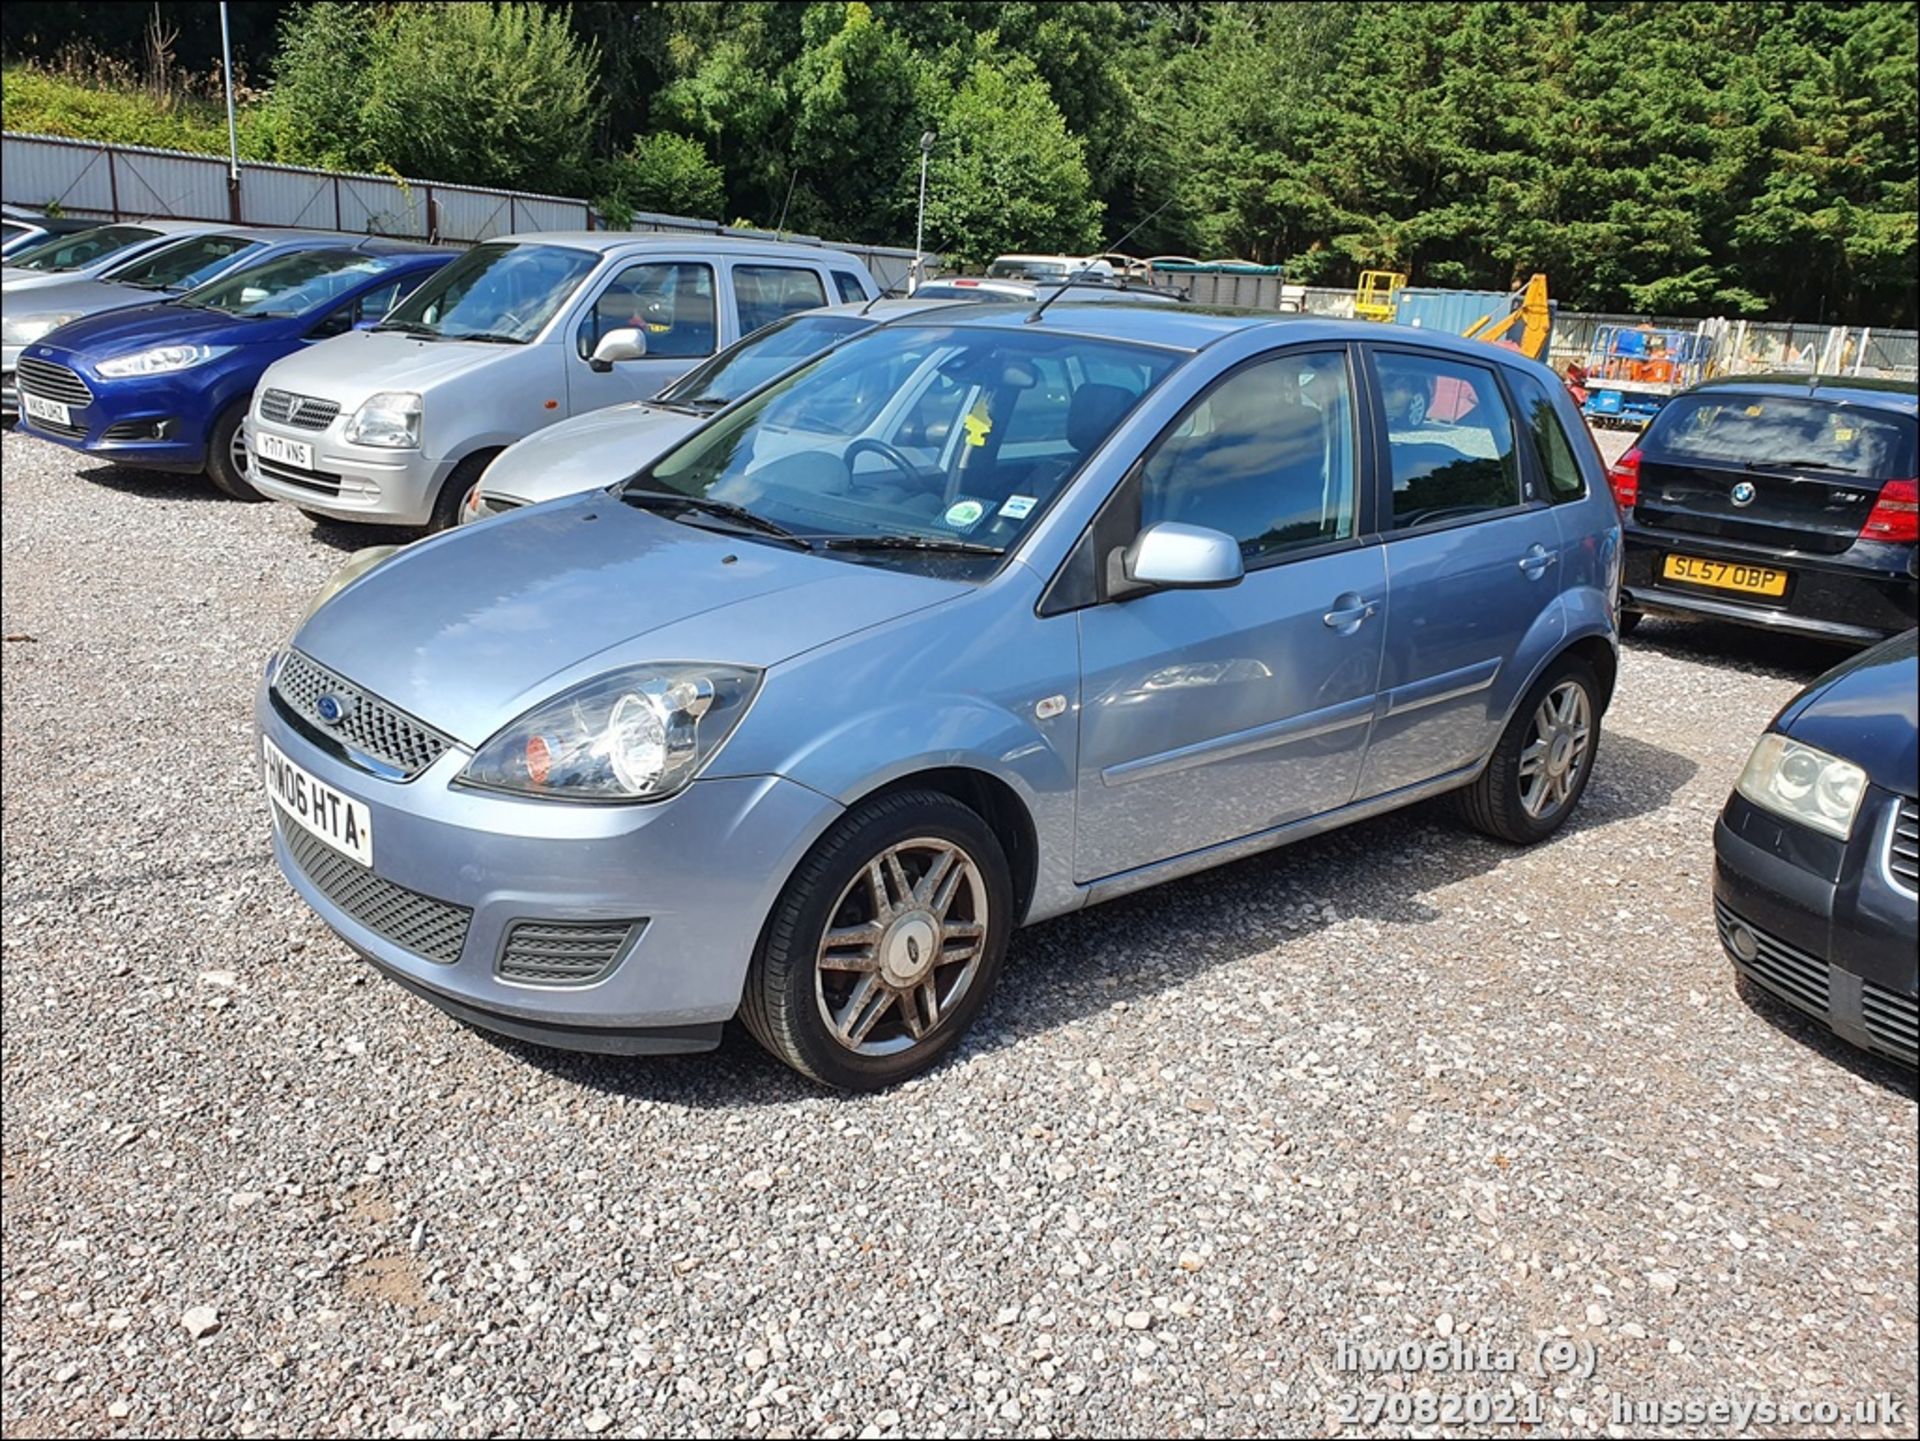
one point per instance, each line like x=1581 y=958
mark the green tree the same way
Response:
x=1006 y=174
x=663 y=172
x=491 y=94
x=314 y=110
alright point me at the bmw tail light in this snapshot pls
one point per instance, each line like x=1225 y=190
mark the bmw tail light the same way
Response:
x=1624 y=479
x=1896 y=514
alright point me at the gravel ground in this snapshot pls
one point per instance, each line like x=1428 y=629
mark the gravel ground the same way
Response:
x=1397 y=1084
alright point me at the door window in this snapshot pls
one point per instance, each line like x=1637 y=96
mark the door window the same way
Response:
x=1449 y=439
x=671 y=302
x=762 y=294
x=1550 y=443
x=1267 y=456
x=852 y=292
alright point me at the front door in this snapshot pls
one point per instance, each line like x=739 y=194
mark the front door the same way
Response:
x=1208 y=715
x=672 y=304
x=1472 y=564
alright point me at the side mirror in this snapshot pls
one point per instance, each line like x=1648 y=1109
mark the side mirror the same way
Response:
x=626 y=343
x=1172 y=556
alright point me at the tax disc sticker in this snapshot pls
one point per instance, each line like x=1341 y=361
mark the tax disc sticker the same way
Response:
x=964 y=514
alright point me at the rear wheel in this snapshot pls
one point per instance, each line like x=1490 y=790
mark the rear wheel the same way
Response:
x=227 y=460
x=885 y=943
x=1539 y=770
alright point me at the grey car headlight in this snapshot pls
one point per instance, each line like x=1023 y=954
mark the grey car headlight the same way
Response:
x=390 y=418
x=29 y=328
x=1803 y=784
x=640 y=734
x=161 y=360
x=350 y=570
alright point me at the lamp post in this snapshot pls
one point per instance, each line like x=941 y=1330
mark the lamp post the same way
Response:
x=920 y=219
x=233 y=134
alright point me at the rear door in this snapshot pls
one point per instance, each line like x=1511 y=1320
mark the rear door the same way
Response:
x=1792 y=473
x=1473 y=559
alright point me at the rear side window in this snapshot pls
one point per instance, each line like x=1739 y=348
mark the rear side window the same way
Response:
x=1791 y=432
x=1450 y=442
x=764 y=293
x=1550 y=443
x=852 y=292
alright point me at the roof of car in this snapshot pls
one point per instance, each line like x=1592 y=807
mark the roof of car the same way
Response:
x=1869 y=390
x=608 y=240
x=1194 y=327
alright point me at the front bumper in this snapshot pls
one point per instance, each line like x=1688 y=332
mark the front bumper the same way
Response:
x=1820 y=923
x=1863 y=594
x=367 y=483
x=698 y=874
x=159 y=422
x=9 y=392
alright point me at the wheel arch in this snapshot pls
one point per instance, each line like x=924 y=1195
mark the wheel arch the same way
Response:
x=997 y=803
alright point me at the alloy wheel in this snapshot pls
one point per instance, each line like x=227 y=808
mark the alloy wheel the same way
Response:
x=1551 y=761
x=902 y=946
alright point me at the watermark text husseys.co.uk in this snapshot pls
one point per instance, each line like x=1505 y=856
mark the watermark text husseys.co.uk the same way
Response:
x=1739 y=1413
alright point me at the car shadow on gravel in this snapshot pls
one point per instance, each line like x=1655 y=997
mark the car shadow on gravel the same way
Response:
x=1063 y=971
x=1886 y=1074
x=154 y=484
x=1781 y=655
x=346 y=536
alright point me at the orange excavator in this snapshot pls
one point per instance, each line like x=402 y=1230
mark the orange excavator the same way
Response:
x=1532 y=315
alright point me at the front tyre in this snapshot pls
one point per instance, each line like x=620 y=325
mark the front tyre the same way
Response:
x=885 y=943
x=1539 y=770
x=227 y=461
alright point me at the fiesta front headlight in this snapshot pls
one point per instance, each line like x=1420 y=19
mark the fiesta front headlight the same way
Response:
x=390 y=418
x=29 y=328
x=1804 y=784
x=640 y=734
x=161 y=360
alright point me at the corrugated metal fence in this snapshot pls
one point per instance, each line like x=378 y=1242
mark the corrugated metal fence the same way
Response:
x=120 y=182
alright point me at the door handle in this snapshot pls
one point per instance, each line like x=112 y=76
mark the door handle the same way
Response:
x=1536 y=561
x=1348 y=611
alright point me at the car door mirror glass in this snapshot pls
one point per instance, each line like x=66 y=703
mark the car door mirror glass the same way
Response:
x=1173 y=556
x=626 y=343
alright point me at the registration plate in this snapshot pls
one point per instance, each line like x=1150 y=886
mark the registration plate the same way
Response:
x=296 y=453
x=339 y=820
x=51 y=411
x=1727 y=575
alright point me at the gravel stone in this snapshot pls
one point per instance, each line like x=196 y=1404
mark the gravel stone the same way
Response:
x=459 y=1236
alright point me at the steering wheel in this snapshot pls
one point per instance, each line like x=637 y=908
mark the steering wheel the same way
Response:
x=510 y=319
x=1442 y=512
x=895 y=458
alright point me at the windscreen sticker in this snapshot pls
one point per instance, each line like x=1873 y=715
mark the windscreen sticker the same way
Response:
x=979 y=424
x=964 y=514
x=1755 y=409
x=1019 y=507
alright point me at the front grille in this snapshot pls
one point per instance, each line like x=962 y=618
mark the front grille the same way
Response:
x=304 y=412
x=1903 y=849
x=1892 y=1020
x=433 y=929
x=1787 y=971
x=53 y=427
x=562 y=953
x=324 y=481
x=52 y=382
x=368 y=724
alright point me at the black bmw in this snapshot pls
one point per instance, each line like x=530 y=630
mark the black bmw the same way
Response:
x=1786 y=502
x=1817 y=854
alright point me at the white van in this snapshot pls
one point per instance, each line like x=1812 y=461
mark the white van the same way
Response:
x=394 y=424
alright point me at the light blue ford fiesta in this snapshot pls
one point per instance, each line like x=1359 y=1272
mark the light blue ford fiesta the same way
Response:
x=975 y=621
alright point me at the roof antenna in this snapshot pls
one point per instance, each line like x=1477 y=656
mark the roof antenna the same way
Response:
x=780 y=230
x=1067 y=284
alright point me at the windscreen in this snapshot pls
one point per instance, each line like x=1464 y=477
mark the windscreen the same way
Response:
x=289 y=284
x=494 y=292
x=181 y=265
x=1789 y=433
x=71 y=252
x=937 y=434
x=760 y=357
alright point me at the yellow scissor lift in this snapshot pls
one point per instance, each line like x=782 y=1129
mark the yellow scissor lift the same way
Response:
x=1379 y=294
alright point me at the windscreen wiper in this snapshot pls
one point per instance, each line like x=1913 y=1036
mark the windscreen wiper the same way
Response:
x=1792 y=465
x=724 y=510
x=410 y=327
x=944 y=544
x=488 y=337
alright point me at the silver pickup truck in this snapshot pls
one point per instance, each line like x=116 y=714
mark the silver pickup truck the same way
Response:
x=393 y=425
